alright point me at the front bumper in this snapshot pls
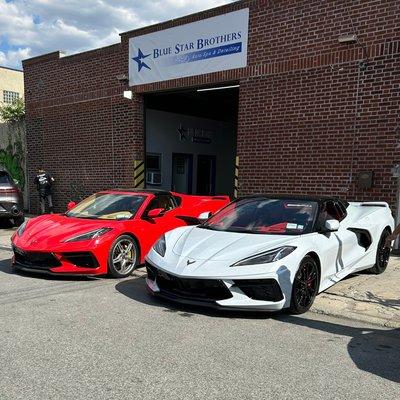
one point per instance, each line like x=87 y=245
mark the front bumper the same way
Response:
x=65 y=263
x=239 y=294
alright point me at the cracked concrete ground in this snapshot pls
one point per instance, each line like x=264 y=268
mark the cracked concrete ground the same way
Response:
x=365 y=297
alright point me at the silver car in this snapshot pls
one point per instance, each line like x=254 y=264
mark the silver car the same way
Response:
x=11 y=202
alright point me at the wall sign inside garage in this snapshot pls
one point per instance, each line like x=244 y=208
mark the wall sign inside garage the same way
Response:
x=210 y=45
x=195 y=135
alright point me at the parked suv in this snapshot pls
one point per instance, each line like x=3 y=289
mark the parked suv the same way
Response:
x=11 y=203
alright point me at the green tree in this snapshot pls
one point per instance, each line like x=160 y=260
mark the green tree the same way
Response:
x=13 y=112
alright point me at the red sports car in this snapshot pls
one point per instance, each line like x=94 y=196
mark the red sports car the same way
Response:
x=110 y=232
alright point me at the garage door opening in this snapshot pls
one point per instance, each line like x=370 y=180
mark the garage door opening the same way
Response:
x=191 y=140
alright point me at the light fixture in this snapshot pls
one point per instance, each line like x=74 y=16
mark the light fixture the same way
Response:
x=348 y=39
x=218 y=88
x=122 y=78
x=128 y=94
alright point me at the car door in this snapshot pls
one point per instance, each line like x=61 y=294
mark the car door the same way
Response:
x=338 y=248
x=353 y=250
x=155 y=227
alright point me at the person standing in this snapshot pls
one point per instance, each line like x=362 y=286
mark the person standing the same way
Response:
x=44 y=182
x=392 y=237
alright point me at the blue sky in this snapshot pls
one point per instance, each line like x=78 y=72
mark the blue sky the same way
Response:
x=32 y=27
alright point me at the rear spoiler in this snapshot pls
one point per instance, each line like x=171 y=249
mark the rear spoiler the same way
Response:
x=375 y=204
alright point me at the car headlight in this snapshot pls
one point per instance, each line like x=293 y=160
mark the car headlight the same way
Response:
x=89 y=235
x=266 y=257
x=160 y=246
x=21 y=228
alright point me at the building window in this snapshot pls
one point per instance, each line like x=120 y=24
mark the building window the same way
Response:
x=153 y=161
x=153 y=169
x=9 y=97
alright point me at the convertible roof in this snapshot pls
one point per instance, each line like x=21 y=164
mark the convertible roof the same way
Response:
x=315 y=198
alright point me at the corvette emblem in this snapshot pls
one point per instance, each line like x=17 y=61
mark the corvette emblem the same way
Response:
x=188 y=262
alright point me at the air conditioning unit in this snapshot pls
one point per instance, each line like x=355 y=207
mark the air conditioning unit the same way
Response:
x=153 y=178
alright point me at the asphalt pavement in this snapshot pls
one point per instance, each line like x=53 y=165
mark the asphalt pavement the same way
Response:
x=107 y=339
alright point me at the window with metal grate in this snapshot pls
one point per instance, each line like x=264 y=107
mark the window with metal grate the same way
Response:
x=9 y=96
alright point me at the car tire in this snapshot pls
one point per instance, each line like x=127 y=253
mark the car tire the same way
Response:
x=382 y=255
x=17 y=221
x=305 y=286
x=123 y=257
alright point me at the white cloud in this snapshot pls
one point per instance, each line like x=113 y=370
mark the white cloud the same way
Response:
x=34 y=27
x=12 y=58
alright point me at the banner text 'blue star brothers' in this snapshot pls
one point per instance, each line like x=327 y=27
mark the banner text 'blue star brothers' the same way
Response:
x=201 y=47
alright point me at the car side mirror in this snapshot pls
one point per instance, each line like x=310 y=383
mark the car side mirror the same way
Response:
x=332 y=225
x=71 y=205
x=16 y=181
x=204 y=216
x=156 y=212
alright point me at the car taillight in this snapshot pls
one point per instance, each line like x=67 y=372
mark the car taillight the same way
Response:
x=8 y=191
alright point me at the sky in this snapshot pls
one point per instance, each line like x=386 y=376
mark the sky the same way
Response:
x=32 y=27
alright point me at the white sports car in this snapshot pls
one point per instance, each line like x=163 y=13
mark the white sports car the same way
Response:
x=270 y=252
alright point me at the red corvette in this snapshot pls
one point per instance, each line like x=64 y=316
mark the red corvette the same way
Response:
x=110 y=232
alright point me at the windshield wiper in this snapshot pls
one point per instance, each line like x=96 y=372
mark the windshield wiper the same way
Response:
x=84 y=217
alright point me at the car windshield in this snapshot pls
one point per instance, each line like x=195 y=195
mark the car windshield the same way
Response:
x=265 y=215
x=107 y=206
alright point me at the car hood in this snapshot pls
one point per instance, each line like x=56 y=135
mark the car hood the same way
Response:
x=55 y=228
x=204 y=244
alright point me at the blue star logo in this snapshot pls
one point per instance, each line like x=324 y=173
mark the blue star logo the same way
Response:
x=139 y=59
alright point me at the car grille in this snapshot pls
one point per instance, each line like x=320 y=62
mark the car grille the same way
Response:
x=201 y=289
x=81 y=259
x=35 y=260
x=260 y=289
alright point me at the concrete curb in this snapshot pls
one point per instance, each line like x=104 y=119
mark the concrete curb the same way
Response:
x=356 y=310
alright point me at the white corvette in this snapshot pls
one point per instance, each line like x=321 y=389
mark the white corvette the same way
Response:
x=270 y=252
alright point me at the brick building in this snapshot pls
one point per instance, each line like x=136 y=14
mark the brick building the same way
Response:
x=316 y=107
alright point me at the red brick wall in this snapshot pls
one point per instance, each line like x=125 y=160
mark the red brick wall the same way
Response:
x=304 y=134
x=310 y=119
x=79 y=127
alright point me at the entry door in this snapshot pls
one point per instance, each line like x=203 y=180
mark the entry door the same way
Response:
x=206 y=175
x=182 y=170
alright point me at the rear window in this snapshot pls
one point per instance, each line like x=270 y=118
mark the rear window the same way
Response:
x=5 y=178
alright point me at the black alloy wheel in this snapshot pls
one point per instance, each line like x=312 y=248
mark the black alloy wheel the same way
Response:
x=382 y=255
x=305 y=286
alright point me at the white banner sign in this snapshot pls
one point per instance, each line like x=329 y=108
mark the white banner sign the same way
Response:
x=210 y=45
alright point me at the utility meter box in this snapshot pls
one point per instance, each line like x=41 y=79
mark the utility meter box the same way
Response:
x=365 y=179
x=396 y=171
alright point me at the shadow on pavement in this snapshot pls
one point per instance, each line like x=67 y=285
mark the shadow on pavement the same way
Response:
x=136 y=290
x=391 y=303
x=376 y=351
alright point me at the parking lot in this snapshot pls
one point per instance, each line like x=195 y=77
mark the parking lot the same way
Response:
x=85 y=338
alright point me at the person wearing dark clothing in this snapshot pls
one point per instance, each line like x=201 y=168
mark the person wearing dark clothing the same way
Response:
x=392 y=237
x=43 y=183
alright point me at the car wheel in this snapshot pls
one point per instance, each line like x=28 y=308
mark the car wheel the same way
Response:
x=18 y=220
x=123 y=257
x=305 y=286
x=382 y=255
